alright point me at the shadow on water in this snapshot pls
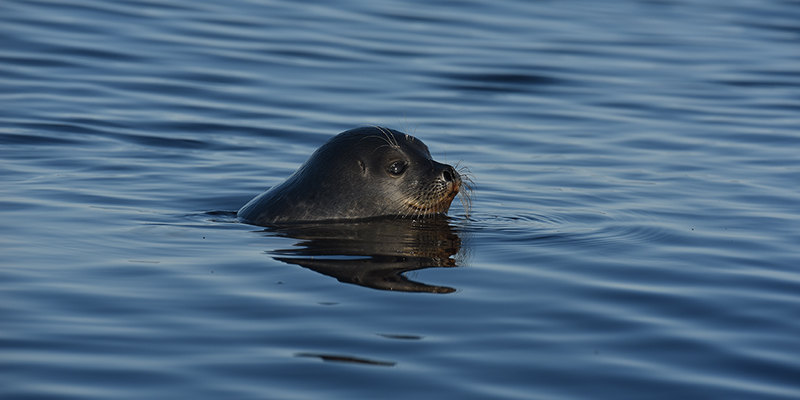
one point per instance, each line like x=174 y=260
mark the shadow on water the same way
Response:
x=375 y=253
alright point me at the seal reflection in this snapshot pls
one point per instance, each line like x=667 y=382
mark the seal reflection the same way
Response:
x=374 y=253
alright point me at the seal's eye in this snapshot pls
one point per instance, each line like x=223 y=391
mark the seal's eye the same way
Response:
x=397 y=168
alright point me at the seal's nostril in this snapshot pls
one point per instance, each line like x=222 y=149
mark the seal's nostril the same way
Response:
x=447 y=175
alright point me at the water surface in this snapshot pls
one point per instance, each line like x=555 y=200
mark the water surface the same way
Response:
x=634 y=228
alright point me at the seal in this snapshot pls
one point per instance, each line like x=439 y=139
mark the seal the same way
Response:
x=361 y=173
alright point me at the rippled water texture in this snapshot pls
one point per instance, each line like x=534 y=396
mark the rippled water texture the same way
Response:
x=634 y=230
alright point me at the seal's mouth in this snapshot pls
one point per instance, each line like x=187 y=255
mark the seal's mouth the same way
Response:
x=437 y=199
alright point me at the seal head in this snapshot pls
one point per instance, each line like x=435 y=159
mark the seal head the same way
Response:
x=360 y=173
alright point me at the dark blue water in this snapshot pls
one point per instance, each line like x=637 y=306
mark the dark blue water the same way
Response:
x=635 y=229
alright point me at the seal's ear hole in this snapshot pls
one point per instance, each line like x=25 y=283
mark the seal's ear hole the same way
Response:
x=363 y=167
x=396 y=168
